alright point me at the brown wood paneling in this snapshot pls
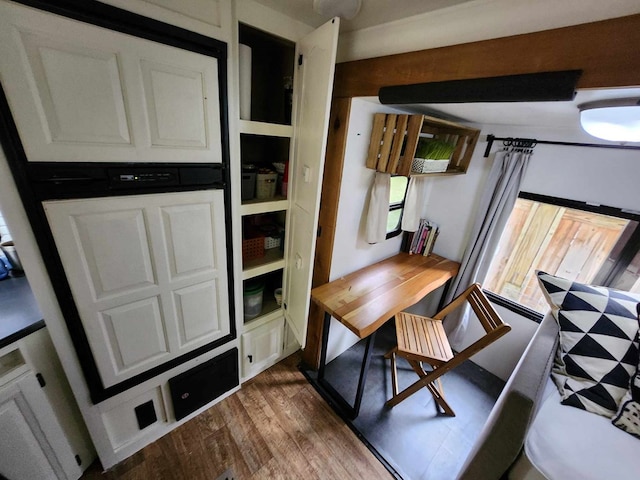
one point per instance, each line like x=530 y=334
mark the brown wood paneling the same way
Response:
x=607 y=52
x=331 y=182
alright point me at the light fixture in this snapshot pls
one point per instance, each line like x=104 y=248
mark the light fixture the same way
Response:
x=346 y=9
x=617 y=120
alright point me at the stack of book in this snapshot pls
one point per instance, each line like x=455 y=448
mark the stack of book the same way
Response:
x=422 y=240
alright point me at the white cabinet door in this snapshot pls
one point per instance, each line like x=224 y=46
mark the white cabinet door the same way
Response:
x=83 y=93
x=148 y=274
x=32 y=444
x=314 y=83
x=261 y=347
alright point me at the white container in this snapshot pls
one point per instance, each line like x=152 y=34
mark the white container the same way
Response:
x=252 y=296
x=427 y=165
x=244 y=61
x=277 y=294
x=266 y=185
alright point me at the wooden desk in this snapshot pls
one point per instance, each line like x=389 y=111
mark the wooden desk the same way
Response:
x=364 y=300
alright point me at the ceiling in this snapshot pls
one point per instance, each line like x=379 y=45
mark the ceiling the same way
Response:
x=372 y=12
x=563 y=116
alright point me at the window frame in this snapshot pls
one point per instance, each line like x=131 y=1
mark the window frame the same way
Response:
x=398 y=206
x=629 y=251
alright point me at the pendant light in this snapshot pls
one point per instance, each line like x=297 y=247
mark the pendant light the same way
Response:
x=617 y=120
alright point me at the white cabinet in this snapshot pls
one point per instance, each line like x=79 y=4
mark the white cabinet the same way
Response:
x=262 y=347
x=148 y=273
x=32 y=443
x=268 y=138
x=84 y=93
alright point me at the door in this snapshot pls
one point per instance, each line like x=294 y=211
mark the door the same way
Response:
x=79 y=92
x=313 y=84
x=32 y=444
x=148 y=274
x=261 y=347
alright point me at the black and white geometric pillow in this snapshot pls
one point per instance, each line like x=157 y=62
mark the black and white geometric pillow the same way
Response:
x=628 y=416
x=598 y=350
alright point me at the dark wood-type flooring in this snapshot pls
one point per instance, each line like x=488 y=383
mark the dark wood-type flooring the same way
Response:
x=275 y=427
x=417 y=441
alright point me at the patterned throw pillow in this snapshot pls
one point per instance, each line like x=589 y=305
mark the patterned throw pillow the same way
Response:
x=598 y=350
x=628 y=416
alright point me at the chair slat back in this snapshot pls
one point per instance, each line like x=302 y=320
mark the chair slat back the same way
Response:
x=491 y=321
x=489 y=318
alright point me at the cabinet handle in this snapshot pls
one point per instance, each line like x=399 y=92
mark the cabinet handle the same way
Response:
x=250 y=358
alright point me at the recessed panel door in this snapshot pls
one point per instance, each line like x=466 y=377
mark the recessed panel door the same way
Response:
x=79 y=92
x=148 y=274
x=32 y=443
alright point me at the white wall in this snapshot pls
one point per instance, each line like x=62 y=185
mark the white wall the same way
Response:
x=476 y=20
x=604 y=176
x=351 y=252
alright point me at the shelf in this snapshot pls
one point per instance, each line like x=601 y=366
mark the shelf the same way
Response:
x=394 y=139
x=271 y=262
x=267 y=129
x=254 y=207
x=448 y=172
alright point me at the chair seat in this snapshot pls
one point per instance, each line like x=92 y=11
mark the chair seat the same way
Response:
x=422 y=339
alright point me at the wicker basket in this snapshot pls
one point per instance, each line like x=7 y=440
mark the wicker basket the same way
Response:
x=252 y=248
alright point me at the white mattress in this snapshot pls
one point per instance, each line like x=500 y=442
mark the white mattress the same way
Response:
x=568 y=443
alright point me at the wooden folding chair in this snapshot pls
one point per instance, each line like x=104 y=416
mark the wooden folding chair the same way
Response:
x=423 y=340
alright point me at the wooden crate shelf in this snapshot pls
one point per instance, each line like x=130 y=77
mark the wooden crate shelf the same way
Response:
x=394 y=139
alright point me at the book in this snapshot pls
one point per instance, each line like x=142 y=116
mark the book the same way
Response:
x=423 y=239
x=432 y=240
x=416 y=237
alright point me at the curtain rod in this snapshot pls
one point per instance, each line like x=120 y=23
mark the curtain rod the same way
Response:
x=531 y=142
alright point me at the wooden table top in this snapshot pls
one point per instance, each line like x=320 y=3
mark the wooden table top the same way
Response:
x=364 y=300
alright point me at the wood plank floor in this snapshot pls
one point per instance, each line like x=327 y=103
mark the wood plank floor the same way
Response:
x=275 y=427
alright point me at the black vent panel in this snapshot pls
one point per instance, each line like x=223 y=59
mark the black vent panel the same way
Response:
x=204 y=383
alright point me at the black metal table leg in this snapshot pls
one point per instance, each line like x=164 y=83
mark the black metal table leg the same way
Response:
x=323 y=345
x=364 y=370
x=351 y=411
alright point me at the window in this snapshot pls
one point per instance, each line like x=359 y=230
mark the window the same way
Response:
x=397 y=194
x=574 y=240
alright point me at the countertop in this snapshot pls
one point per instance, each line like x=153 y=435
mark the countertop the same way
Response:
x=19 y=312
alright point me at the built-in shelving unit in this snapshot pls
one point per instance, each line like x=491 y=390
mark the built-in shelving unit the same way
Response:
x=265 y=141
